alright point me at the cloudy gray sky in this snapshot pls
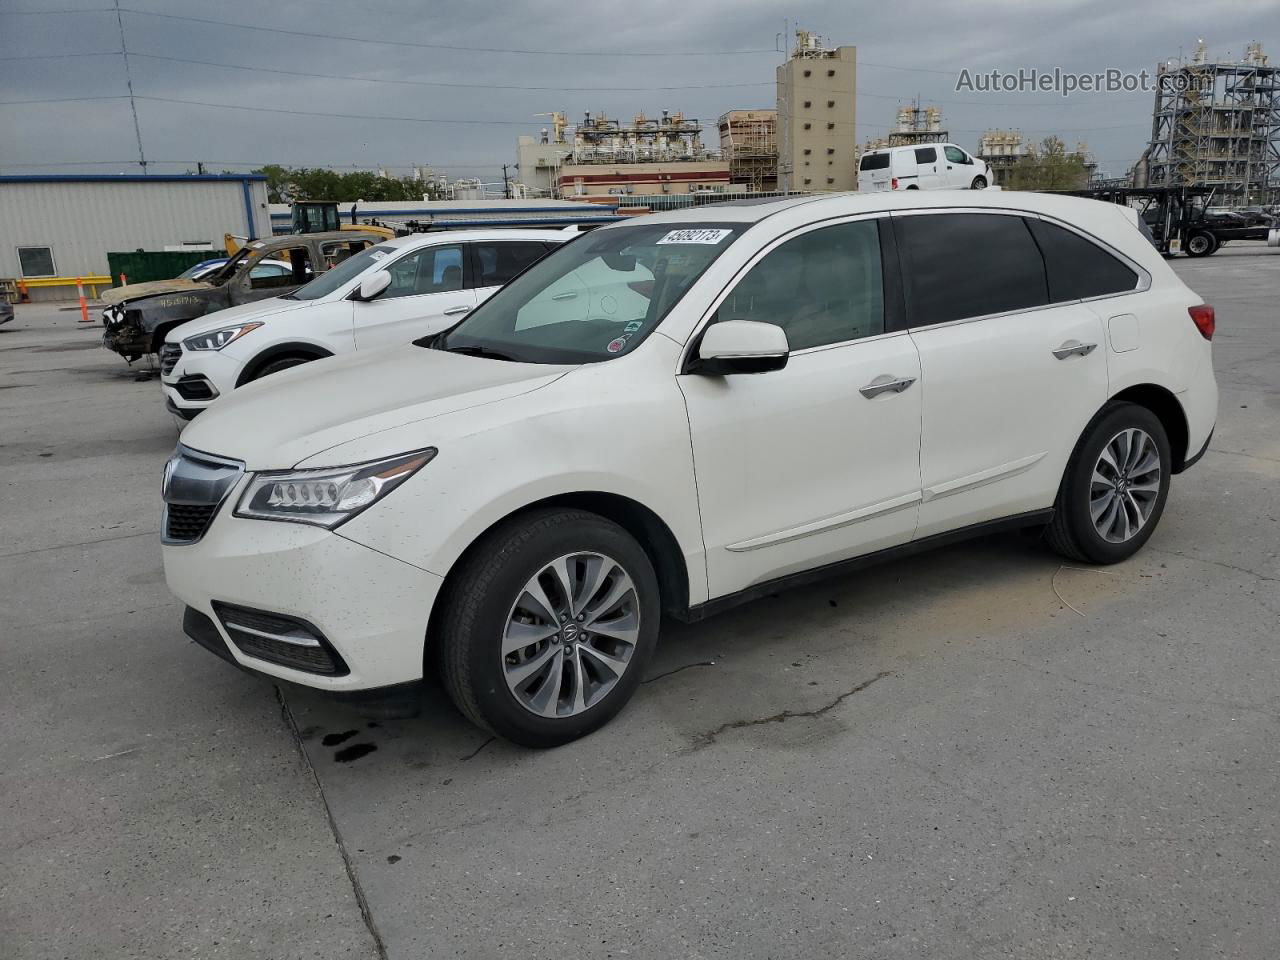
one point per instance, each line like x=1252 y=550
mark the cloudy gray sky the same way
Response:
x=691 y=47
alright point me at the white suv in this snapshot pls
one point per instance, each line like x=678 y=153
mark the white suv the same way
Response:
x=802 y=385
x=385 y=295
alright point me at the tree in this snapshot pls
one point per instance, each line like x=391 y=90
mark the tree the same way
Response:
x=287 y=184
x=1049 y=167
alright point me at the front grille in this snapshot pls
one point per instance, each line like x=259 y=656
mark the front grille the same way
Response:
x=186 y=522
x=169 y=355
x=279 y=639
x=195 y=484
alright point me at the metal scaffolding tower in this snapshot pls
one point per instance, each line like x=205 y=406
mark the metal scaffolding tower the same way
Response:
x=1217 y=124
x=749 y=141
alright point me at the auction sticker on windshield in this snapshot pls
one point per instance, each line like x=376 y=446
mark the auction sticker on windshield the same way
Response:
x=702 y=235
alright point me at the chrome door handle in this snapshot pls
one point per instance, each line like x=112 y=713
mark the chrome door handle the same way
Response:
x=454 y=311
x=1074 y=348
x=885 y=383
x=564 y=296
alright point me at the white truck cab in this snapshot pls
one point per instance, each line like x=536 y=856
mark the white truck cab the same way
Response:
x=922 y=166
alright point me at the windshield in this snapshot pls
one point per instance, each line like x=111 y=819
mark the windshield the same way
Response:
x=198 y=269
x=348 y=269
x=225 y=272
x=595 y=298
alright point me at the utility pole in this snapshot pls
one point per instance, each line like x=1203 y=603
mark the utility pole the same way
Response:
x=506 y=183
x=128 y=79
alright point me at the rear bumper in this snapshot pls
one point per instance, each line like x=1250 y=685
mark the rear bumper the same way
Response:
x=1192 y=460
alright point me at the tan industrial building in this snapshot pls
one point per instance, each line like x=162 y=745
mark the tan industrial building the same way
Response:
x=817 y=112
x=749 y=143
x=582 y=180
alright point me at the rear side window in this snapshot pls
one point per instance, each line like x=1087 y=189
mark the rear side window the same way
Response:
x=962 y=265
x=1079 y=268
x=926 y=155
x=497 y=262
x=874 y=161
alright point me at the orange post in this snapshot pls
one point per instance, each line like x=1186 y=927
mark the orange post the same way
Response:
x=124 y=281
x=84 y=307
x=23 y=296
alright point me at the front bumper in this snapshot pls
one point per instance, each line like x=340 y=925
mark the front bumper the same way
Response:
x=192 y=381
x=371 y=608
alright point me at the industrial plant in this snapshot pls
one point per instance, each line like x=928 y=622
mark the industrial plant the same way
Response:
x=1216 y=123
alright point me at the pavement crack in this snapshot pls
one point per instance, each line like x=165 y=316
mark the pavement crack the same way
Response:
x=1217 y=563
x=707 y=739
x=357 y=890
x=687 y=666
x=474 y=753
x=81 y=543
x=1247 y=456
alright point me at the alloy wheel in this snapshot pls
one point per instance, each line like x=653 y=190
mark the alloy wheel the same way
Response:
x=570 y=634
x=1125 y=485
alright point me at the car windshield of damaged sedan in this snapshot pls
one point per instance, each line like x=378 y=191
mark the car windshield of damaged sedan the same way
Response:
x=597 y=297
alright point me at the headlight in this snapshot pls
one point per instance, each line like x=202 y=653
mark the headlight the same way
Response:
x=329 y=496
x=217 y=339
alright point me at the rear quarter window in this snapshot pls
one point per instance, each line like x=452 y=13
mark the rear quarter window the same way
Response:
x=874 y=161
x=1078 y=268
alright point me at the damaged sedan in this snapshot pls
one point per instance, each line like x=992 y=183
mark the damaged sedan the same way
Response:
x=137 y=316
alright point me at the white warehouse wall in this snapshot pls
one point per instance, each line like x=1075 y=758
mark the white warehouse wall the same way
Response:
x=83 y=218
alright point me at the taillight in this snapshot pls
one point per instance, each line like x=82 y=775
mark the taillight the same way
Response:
x=1202 y=317
x=895 y=183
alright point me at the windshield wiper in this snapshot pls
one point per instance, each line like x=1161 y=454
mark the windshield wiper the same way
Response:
x=475 y=351
x=287 y=296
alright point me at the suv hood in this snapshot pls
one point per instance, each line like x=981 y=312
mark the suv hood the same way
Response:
x=278 y=422
x=132 y=291
x=258 y=310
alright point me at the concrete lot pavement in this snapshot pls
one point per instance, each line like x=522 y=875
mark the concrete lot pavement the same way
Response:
x=979 y=752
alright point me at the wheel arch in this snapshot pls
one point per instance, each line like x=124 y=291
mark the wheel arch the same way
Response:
x=280 y=350
x=1165 y=405
x=650 y=531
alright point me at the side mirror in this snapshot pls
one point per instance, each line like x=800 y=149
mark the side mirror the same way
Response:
x=741 y=346
x=373 y=285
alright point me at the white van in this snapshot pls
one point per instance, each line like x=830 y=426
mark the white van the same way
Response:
x=922 y=166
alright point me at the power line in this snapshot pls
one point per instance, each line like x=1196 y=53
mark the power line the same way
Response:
x=444 y=46
x=65 y=56
x=475 y=122
x=15 y=103
x=443 y=83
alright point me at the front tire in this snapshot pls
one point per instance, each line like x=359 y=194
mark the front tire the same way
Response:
x=275 y=366
x=979 y=183
x=548 y=625
x=1115 y=487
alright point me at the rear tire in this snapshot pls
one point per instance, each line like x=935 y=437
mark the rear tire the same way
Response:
x=504 y=658
x=1115 y=487
x=1201 y=244
x=979 y=183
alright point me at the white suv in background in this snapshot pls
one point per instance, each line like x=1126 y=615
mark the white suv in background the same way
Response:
x=800 y=386
x=385 y=295
x=923 y=166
